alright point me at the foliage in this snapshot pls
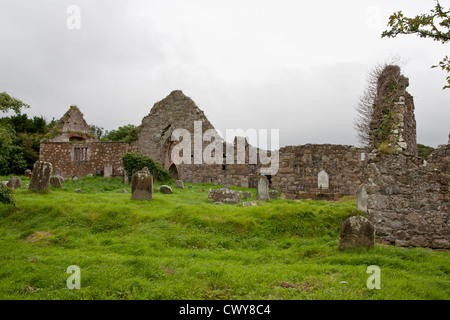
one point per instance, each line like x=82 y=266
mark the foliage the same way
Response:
x=8 y=103
x=424 y=151
x=20 y=141
x=134 y=161
x=6 y=195
x=127 y=133
x=98 y=131
x=435 y=25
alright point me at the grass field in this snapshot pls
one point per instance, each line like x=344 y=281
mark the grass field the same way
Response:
x=180 y=246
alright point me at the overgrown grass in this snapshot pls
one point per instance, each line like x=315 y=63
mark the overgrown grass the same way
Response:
x=180 y=246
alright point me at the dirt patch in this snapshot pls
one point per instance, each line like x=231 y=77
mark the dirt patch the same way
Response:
x=39 y=238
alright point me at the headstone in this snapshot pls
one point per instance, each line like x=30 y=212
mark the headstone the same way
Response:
x=78 y=190
x=165 y=189
x=14 y=183
x=189 y=187
x=57 y=172
x=142 y=185
x=262 y=188
x=322 y=180
x=356 y=232
x=108 y=170
x=125 y=178
x=218 y=202
x=75 y=178
x=40 y=177
x=250 y=204
x=245 y=183
x=27 y=173
x=179 y=184
x=56 y=182
x=273 y=194
x=361 y=198
x=247 y=195
x=124 y=191
x=90 y=175
x=224 y=195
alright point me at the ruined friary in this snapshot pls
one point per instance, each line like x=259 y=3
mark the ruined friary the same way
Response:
x=405 y=197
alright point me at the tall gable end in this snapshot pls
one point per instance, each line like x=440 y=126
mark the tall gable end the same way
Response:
x=71 y=128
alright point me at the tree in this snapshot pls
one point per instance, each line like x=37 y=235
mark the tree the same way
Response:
x=8 y=103
x=126 y=133
x=435 y=25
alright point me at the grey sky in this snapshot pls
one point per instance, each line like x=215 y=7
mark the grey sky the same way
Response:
x=297 y=66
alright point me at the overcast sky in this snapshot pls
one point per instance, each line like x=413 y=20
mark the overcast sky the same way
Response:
x=298 y=66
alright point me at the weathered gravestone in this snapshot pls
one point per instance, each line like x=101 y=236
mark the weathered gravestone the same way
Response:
x=262 y=188
x=273 y=194
x=356 y=232
x=56 y=182
x=224 y=195
x=40 y=177
x=78 y=190
x=108 y=170
x=322 y=180
x=361 y=198
x=142 y=185
x=245 y=183
x=14 y=183
x=179 y=184
x=57 y=172
x=247 y=195
x=250 y=204
x=27 y=173
x=165 y=189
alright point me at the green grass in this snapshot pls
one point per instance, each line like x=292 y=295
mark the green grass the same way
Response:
x=180 y=246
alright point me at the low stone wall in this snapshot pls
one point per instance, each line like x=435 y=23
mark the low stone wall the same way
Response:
x=408 y=199
x=81 y=159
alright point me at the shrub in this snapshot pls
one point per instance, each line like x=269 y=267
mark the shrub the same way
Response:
x=134 y=161
x=6 y=195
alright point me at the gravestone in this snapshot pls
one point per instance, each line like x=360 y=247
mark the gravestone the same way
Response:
x=78 y=190
x=14 y=183
x=40 y=177
x=224 y=195
x=165 y=189
x=262 y=188
x=108 y=170
x=125 y=178
x=245 y=183
x=179 y=184
x=250 y=204
x=142 y=185
x=56 y=182
x=247 y=195
x=361 y=198
x=322 y=180
x=27 y=173
x=57 y=172
x=273 y=194
x=356 y=232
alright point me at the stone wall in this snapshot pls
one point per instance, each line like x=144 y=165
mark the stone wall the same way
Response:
x=408 y=198
x=81 y=159
x=300 y=166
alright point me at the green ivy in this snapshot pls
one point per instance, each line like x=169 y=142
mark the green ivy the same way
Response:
x=134 y=161
x=6 y=195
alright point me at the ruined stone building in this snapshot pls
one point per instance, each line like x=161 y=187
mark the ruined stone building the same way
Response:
x=405 y=197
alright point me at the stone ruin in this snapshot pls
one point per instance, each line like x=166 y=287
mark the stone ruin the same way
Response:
x=407 y=203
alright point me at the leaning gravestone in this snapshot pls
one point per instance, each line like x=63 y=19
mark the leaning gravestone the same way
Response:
x=273 y=194
x=165 y=189
x=179 y=184
x=56 y=182
x=40 y=177
x=247 y=195
x=356 y=232
x=27 y=173
x=224 y=195
x=142 y=185
x=262 y=188
x=14 y=183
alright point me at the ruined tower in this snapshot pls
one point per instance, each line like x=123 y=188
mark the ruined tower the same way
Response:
x=393 y=125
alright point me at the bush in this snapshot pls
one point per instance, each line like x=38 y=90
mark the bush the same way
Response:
x=6 y=195
x=134 y=161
